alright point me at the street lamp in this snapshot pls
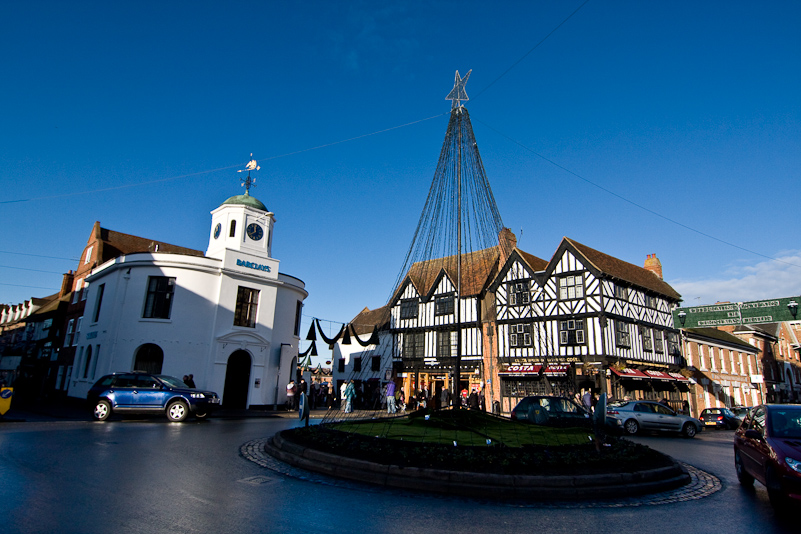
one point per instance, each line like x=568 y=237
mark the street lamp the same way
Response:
x=683 y=316
x=793 y=307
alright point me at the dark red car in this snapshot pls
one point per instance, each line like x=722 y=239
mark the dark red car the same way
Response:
x=767 y=447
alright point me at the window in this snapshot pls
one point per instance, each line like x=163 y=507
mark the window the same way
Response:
x=232 y=232
x=445 y=344
x=77 y=330
x=87 y=361
x=158 y=301
x=673 y=344
x=520 y=335
x=409 y=308
x=647 y=340
x=98 y=302
x=247 y=303
x=76 y=294
x=375 y=363
x=341 y=365
x=622 y=334
x=357 y=364
x=298 y=310
x=88 y=257
x=659 y=344
x=519 y=293
x=649 y=301
x=443 y=305
x=85 y=290
x=621 y=292
x=70 y=331
x=571 y=287
x=414 y=345
x=571 y=332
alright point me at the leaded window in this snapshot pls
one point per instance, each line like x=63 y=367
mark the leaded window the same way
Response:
x=414 y=345
x=445 y=344
x=443 y=304
x=409 y=309
x=571 y=287
x=520 y=335
x=622 y=334
x=621 y=292
x=571 y=332
x=673 y=344
x=647 y=339
x=519 y=293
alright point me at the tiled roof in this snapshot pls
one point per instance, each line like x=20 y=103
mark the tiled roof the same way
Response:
x=720 y=335
x=625 y=271
x=538 y=264
x=367 y=319
x=116 y=244
x=478 y=268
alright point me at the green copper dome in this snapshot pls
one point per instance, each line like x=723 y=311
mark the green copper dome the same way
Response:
x=246 y=200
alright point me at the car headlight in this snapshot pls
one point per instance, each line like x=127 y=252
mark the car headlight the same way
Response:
x=794 y=464
x=198 y=396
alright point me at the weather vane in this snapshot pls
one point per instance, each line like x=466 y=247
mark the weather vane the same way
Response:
x=458 y=93
x=249 y=182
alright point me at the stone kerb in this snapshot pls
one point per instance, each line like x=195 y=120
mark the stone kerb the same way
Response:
x=556 y=487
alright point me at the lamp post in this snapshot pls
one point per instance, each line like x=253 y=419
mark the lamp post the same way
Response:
x=793 y=307
x=682 y=317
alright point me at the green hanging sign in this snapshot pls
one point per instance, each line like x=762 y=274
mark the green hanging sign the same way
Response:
x=737 y=313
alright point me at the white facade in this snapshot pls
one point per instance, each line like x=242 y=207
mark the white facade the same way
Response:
x=230 y=318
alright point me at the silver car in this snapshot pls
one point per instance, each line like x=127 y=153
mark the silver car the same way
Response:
x=636 y=416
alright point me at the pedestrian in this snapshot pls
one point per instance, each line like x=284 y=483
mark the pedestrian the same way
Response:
x=586 y=400
x=290 y=395
x=391 y=397
x=445 y=398
x=401 y=400
x=190 y=381
x=472 y=400
x=350 y=394
x=342 y=389
x=664 y=402
x=482 y=403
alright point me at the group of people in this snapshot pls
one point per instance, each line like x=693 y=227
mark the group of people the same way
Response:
x=318 y=394
x=189 y=380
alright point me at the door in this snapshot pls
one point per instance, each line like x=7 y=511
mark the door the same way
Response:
x=646 y=416
x=123 y=391
x=149 y=393
x=237 y=381
x=668 y=420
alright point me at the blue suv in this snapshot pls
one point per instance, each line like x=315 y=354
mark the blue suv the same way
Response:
x=144 y=393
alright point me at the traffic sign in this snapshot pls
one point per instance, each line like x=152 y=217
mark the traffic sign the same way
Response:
x=736 y=313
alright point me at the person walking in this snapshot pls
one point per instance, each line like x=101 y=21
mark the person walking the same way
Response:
x=350 y=394
x=290 y=395
x=391 y=397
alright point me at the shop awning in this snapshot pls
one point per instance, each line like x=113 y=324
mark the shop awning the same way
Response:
x=658 y=375
x=680 y=377
x=630 y=373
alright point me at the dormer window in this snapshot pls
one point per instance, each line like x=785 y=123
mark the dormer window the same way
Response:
x=518 y=293
x=408 y=309
x=571 y=287
x=443 y=304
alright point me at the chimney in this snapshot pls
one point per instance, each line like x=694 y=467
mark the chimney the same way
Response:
x=653 y=264
x=66 y=283
x=506 y=243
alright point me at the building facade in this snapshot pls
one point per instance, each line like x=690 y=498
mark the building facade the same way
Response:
x=228 y=317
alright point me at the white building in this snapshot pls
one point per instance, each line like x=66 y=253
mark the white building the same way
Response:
x=230 y=317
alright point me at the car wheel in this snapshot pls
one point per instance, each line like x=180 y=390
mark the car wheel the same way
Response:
x=744 y=478
x=689 y=430
x=773 y=484
x=102 y=410
x=201 y=415
x=631 y=427
x=177 y=411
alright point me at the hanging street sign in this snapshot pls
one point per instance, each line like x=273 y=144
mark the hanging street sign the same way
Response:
x=737 y=313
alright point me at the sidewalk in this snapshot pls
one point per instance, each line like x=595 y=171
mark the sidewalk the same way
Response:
x=76 y=410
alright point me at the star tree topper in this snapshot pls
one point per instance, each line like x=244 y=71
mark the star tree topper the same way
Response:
x=458 y=92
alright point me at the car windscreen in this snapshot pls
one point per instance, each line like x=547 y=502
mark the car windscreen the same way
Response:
x=785 y=422
x=172 y=381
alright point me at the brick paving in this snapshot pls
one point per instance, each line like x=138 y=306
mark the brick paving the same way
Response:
x=702 y=485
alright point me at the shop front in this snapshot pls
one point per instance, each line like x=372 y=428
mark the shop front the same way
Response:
x=634 y=384
x=520 y=380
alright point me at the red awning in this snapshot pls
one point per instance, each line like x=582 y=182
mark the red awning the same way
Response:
x=680 y=377
x=556 y=370
x=630 y=373
x=658 y=375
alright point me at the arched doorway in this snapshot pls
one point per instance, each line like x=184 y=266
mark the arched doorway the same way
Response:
x=237 y=381
x=149 y=358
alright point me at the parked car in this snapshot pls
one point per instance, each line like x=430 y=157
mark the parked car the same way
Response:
x=636 y=416
x=554 y=411
x=719 y=418
x=767 y=447
x=145 y=393
x=741 y=411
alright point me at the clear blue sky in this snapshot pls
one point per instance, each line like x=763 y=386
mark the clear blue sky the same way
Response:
x=138 y=114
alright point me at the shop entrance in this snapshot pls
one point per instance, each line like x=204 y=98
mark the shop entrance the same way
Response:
x=237 y=381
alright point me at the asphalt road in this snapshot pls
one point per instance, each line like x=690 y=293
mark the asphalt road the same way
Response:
x=149 y=475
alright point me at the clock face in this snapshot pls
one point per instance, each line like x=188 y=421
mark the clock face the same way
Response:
x=217 y=230
x=255 y=232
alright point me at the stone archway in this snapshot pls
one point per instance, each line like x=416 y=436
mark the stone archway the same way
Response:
x=149 y=358
x=237 y=381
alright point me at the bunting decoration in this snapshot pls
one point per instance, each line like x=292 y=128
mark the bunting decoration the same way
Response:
x=344 y=334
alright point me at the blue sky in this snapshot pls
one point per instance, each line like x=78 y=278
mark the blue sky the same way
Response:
x=635 y=128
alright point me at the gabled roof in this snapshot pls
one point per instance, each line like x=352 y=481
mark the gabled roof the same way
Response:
x=537 y=264
x=622 y=270
x=720 y=335
x=116 y=244
x=478 y=269
x=368 y=319
x=766 y=329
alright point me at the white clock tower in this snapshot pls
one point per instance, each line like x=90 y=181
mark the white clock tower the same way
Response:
x=241 y=223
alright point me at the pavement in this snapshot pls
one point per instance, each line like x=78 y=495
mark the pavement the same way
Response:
x=70 y=409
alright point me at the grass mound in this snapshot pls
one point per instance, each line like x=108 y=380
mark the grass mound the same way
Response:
x=483 y=443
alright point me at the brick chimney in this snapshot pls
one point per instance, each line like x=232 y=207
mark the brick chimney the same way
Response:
x=66 y=283
x=506 y=243
x=653 y=264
